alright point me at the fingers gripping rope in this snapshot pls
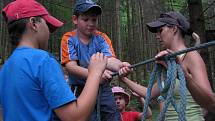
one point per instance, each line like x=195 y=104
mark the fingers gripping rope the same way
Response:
x=173 y=72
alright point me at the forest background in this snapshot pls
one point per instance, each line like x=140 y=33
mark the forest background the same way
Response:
x=124 y=22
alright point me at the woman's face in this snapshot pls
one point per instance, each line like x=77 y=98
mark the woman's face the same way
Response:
x=165 y=36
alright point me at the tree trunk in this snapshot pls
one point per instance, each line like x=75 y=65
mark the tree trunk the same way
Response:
x=118 y=37
x=198 y=25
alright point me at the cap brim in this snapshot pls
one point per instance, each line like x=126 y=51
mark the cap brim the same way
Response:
x=53 y=22
x=153 y=26
x=96 y=9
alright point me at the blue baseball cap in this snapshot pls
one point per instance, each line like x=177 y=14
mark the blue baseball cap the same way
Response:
x=85 y=5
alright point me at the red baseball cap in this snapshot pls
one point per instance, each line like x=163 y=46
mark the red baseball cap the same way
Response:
x=20 y=9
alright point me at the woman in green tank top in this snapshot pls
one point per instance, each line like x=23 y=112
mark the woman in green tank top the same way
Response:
x=170 y=30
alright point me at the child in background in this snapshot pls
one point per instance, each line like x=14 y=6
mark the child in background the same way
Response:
x=122 y=99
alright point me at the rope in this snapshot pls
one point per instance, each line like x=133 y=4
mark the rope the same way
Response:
x=173 y=72
x=173 y=55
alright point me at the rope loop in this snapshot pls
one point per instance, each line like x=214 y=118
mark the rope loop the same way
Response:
x=166 y=80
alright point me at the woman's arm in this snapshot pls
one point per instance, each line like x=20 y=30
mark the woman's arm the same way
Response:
x=197 y=81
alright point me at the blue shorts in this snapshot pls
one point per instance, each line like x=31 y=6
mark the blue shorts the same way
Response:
x=108 y=109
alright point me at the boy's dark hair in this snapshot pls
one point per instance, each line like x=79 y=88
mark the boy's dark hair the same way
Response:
x=17 y=28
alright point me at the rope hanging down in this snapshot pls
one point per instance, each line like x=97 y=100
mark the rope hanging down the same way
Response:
x=174 y=71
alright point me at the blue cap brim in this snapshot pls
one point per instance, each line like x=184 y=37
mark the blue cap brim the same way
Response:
x=97 y=8
x=153 y=26
x=90 y=7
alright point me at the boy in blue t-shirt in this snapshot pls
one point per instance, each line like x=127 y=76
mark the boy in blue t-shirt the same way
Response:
x=79 y=45
x=32 y=85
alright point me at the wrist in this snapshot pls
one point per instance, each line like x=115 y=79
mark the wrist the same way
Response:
x=95 y=78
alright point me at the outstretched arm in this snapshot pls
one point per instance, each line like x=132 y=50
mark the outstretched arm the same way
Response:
x=80 y=109
x=139 y=89
x=76 y=70
x=113 y=64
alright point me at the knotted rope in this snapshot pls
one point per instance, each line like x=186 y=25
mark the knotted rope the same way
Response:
x=174 y=71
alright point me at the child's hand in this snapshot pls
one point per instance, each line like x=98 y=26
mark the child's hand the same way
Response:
x=98 y=63
x=107 y=76
x=125 y=69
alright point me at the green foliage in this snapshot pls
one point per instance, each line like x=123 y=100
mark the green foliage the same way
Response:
x=123 y=14
x=176 y=5
x=155 y=113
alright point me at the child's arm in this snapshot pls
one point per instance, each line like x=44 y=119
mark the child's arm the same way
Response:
x=81 y=109
x=69 y=57
x=142 y=101
x=76 y=70
x=114 y=64
x=139 y=89
x=82 y=73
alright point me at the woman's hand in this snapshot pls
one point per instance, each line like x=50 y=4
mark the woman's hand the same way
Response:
x=162 y=54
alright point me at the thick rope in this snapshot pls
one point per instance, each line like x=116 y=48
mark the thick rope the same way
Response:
x=172 y=55
x=173 y=72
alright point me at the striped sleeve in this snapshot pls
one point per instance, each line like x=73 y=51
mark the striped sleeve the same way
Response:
x=66 y=48
x=108 y=41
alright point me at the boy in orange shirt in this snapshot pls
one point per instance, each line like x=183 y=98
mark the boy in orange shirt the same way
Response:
x=78 y=46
